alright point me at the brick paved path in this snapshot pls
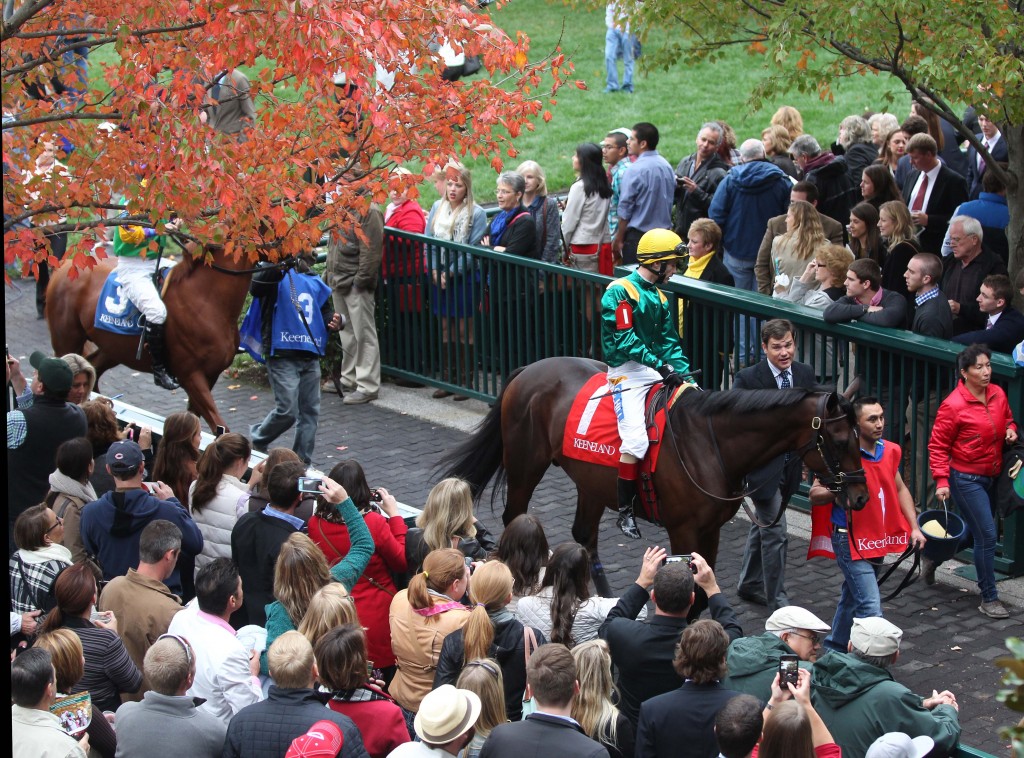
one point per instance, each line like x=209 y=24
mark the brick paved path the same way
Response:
x=947 y=643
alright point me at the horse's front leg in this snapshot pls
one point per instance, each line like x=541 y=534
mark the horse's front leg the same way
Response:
x=200 y=399
x=585 y=531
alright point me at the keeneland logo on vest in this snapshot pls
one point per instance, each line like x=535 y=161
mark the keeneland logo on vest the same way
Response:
x=890 y=540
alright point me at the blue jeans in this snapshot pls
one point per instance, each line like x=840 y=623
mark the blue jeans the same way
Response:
x=618 y=44
x=973 y=497
x=296 y=385
x=742 y=271
x=859 y=597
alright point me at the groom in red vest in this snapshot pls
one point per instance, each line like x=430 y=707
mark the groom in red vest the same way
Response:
x=859 y=540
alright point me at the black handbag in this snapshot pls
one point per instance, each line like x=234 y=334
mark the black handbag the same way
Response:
x=1010 y=485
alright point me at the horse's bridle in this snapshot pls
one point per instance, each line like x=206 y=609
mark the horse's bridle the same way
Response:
x=837 y=480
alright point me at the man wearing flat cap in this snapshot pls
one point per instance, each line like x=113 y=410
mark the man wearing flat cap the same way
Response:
x=445 y=723
x=859 y=700
x=35 y=433
x=752 y=662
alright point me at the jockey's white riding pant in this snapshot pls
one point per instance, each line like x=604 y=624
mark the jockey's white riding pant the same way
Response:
x=629 y=385
x=136 y=277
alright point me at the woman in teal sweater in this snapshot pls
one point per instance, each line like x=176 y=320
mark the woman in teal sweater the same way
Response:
x=302 y=569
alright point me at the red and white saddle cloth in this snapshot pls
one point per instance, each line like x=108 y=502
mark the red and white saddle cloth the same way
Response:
x=592 y=435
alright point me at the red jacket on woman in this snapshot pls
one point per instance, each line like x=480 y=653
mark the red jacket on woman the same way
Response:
x=375 y=588
x=969 y=436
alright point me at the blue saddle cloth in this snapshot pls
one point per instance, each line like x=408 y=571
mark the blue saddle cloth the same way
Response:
x=115 y=312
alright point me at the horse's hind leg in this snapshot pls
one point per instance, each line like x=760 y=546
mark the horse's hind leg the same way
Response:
x=523 y=476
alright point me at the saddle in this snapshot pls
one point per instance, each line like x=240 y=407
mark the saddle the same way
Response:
x=116 y=313
x=592 y=434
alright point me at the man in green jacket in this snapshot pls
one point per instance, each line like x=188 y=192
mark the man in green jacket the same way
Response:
x=641 y=347
x=753 y=662
x=859 y=700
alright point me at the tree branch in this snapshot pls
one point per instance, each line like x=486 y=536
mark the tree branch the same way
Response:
x=62 y=116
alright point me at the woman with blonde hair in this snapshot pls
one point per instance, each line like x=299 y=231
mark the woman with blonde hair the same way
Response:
x=547 y=218
x=455 y=218
x=301 y=570
x=447 y=521
x=897 y=230
x=799 y=244
x=329 y=607
x=216 y=497
x=776 y=141
x=882 y=124
x=790 y=118
x=822 y=282
x=421 y=617
x=83 y=380
x=484 y=677
x=491 y=632
x=68 y=658
x=593 y=707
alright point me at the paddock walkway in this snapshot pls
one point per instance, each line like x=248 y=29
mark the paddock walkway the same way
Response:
x=947 y=643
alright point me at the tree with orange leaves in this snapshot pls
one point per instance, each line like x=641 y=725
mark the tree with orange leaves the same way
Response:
x=135 y=146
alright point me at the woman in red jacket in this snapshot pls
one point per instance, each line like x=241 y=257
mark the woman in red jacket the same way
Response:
x=376 y=587
x=966 y=456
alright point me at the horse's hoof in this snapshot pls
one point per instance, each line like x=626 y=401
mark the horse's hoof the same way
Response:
x=627 y=525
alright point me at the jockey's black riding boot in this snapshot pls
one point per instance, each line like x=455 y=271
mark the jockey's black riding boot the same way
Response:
x=155 y=340
x=627 y=496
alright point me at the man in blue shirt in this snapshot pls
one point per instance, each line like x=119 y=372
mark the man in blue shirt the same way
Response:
x=295 y=316
x=648 y=191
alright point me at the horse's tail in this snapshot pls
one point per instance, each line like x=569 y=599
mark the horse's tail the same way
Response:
x=480 y=458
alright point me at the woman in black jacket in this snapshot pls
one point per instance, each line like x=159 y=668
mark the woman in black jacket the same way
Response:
x=491 y=632
x=513 y=229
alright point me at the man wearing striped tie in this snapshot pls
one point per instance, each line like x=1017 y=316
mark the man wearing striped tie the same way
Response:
x=763 y=571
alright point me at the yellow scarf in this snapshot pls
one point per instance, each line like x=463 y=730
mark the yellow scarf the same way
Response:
x=697 y=266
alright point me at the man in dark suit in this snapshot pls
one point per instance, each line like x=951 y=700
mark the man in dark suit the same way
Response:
x=551 y=730
x=763 y=571
x=932 y=191
x=993 y=141
x=1004 y=325
x=688 y=713
x=642 y=651
x=970 y=266
x=777 y=225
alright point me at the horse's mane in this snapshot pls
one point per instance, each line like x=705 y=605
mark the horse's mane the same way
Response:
x=741 y=401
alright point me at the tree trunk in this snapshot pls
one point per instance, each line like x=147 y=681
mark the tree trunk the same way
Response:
x=1014 y=136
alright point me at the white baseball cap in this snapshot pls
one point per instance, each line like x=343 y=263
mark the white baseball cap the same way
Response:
x=900 y=745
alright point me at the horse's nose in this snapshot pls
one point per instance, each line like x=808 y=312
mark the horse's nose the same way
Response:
x=862 y=500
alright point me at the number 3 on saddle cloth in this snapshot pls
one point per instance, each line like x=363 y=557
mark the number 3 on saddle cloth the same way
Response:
x=592 y=435
x=116 y=313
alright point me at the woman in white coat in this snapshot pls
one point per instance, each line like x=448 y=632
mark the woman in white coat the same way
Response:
x=215 y=497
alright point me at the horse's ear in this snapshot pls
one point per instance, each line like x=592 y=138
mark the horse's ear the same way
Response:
x=854 y=387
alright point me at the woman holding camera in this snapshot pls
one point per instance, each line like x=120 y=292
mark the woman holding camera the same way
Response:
x=215 y=498
x=375 y=589
x=448 y=521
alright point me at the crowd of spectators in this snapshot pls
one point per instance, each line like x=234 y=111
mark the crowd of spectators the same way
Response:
x=146 y=574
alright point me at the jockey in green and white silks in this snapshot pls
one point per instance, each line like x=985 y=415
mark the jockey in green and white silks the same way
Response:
x=641 y=346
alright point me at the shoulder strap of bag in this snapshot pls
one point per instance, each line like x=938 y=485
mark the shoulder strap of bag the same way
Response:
x=529 y=643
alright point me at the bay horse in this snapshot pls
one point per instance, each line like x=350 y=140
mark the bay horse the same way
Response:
x=712 y=441
x=203 y=304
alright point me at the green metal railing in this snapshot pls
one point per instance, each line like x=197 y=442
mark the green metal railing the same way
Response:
x=497 y=312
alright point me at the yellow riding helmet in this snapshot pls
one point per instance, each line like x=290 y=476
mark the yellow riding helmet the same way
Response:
x=660 y=245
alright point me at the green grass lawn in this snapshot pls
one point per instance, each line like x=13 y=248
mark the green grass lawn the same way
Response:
x=677 y=100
